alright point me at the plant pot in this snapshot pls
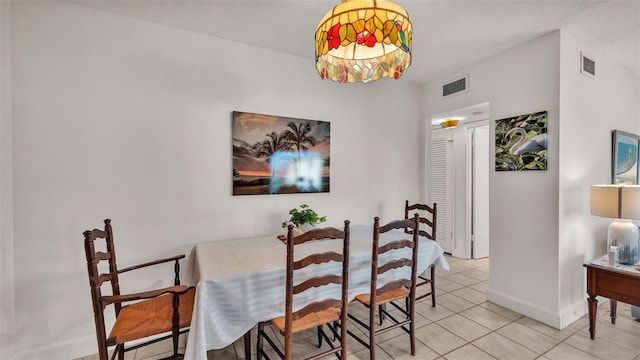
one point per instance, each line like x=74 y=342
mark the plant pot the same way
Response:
x=302 y=228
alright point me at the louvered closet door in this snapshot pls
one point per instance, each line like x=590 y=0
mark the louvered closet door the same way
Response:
x=442 y=186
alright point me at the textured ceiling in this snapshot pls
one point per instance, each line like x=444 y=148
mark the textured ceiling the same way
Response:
x=447 y=34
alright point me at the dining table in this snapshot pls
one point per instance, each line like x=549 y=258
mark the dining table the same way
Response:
x=240 y=282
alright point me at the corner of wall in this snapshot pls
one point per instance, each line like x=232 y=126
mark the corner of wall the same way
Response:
x=526 y=308
x=572 y=312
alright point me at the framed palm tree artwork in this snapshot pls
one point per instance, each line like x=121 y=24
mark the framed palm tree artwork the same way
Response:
x=521 y=142
x=624 y=158
x=279 y=155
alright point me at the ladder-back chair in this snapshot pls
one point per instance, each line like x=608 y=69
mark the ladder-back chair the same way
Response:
x=150 y=313
x=428 y=217
x=398 y=254
x=328 y=311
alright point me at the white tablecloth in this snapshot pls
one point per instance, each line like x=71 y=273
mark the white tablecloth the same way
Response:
x=241 y=282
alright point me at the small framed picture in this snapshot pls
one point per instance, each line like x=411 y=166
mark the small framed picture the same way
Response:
x=624 y=158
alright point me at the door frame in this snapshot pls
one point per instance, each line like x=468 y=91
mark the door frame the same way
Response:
x=467 y=246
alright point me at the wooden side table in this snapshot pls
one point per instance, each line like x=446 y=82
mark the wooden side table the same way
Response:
x=621 y=283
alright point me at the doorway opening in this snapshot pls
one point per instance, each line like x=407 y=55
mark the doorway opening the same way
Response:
x=460 y=165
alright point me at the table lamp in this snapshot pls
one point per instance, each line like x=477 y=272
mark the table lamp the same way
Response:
x=621 y=202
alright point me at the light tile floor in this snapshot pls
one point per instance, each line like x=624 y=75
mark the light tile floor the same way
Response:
x=463 y=326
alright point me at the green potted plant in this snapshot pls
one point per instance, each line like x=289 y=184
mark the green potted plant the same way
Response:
x=304 y=219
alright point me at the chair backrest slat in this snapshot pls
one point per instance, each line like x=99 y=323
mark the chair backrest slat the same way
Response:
x=394 y=285
x=317 y=282
x=317 y=259
x=395 y=245
x=102 y=256
x=95 y=234
x=102 y=278
x=396 y=224
x=426 y=221
x=423 y=207
x=316 y=306
x=319 y=233
x=395 y=264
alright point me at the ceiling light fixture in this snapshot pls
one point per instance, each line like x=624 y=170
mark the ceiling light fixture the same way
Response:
x=449 y=123
x=363 y=41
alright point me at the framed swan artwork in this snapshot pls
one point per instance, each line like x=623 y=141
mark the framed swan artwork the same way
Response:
x=521 y=142
x=624 y=157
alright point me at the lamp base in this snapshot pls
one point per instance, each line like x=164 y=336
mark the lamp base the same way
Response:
x=624 y=234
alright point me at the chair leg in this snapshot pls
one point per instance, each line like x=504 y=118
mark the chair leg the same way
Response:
x=175 y=329
x=259 y=342
x=319 y=333
x=412 y=329
x=372 y=332
x=120 y=350
x=406 y=304
x=433 y=286
x=381 y=309
x=103 y=352
x=412 y=336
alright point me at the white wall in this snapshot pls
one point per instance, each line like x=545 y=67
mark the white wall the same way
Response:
x=116 y=117
x=7 y=328
x=541 y=231
x=523 y=205
x=589 y=109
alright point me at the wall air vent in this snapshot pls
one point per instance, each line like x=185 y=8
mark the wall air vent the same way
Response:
x=587 y=66
x=456 y=86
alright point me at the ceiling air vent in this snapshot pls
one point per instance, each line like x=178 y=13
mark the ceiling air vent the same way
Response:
x=587 y=66
x=455 y=87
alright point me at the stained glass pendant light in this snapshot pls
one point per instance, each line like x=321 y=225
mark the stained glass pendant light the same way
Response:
x=363 y=41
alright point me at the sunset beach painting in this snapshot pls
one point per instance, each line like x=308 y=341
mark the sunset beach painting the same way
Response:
x=279 y=155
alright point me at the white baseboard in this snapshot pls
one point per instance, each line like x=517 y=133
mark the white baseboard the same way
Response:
x=67 y=350
x=526 y=308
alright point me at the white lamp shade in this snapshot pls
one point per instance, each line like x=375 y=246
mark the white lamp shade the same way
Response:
x=630 y=207
x=616 y=201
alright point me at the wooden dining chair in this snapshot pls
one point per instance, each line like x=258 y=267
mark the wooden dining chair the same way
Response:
x=398 y=254
x=329 y=311
x=154 y=312
x=428 y=216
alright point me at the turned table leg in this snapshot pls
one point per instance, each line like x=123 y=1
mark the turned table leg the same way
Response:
x=614 y=306
x=593 y=310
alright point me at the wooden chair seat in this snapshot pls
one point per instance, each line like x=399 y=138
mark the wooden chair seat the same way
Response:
x=387 y=296
x=309 y=321
x=150 y=317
